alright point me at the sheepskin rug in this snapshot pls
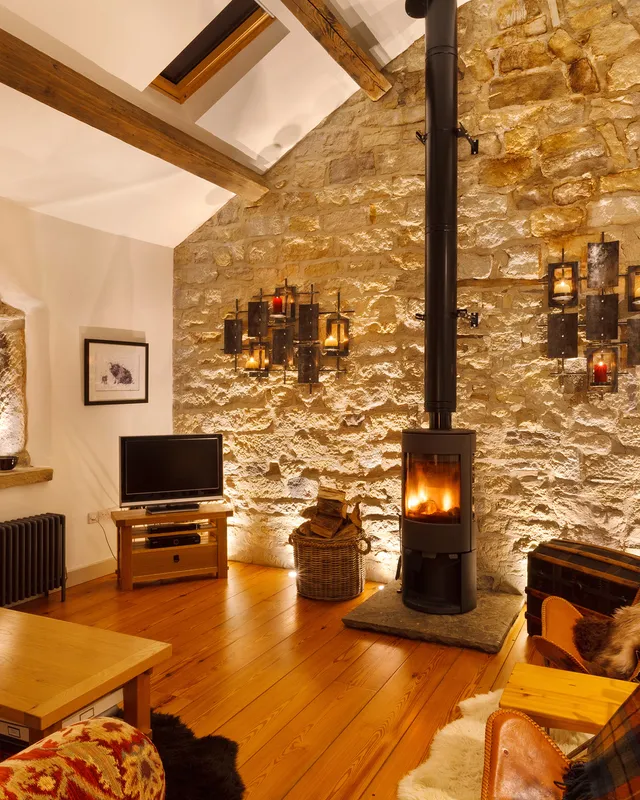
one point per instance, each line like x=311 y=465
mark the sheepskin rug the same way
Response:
x=454 y=768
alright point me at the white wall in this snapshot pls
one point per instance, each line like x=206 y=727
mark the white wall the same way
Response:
x=71 y=281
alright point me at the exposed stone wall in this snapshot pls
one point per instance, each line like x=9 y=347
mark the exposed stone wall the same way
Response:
x=13 y=409
x=554 y=95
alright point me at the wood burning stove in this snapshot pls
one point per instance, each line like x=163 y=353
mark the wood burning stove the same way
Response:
x=438 y=526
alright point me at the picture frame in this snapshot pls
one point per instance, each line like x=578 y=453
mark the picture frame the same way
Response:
x=115 y=372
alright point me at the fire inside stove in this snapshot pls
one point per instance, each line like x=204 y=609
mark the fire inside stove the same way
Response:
x=432 y=488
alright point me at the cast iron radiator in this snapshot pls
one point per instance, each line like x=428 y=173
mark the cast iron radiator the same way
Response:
x=32 y=557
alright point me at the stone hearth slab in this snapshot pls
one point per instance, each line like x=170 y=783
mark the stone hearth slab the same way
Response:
x=485 y=628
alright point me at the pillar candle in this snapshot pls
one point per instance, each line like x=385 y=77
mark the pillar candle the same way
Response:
x=600 y=373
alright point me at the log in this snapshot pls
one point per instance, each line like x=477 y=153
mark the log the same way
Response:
x=305 y=529
x=355 y=517
x=327 y=493
x=324 y=526
x=348 y=531
x=332 y=508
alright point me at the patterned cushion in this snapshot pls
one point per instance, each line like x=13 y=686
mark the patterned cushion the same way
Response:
x=100 y=759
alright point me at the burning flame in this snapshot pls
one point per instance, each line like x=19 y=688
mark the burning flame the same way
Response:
x=433 y=490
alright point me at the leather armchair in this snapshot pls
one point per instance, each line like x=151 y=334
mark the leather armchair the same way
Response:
x=520 y=761
x=556 y=645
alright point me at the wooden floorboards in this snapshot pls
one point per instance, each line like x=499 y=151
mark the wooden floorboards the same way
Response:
x=320 y=711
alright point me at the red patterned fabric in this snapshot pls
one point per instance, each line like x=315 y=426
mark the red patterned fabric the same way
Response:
x=100 y=759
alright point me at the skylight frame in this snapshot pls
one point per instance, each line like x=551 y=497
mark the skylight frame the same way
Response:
x=240 y=38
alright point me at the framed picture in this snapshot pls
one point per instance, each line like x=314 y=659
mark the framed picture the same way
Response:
x=115 y=372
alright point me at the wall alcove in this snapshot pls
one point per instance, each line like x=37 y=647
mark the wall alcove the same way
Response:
x=13 y=373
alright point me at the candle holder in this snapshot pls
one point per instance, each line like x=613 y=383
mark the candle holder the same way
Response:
x=633 y=289
x=257 y=363
x=563 y=282
x=602 y=368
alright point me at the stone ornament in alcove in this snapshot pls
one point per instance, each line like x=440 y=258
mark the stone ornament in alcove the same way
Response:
x=13 y=372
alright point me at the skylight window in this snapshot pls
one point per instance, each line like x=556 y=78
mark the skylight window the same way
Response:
x=227 y=34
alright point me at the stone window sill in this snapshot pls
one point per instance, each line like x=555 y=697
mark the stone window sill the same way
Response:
x=23 y=476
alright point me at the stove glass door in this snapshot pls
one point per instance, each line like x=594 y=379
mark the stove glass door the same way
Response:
x=432 y=488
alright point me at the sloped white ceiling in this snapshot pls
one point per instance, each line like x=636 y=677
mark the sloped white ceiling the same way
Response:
x=260 y=108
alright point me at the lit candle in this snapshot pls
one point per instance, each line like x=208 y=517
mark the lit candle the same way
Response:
x=277 y=305
x=562 y=289
x=252 y=362
x=600 y=373
x=331 y=341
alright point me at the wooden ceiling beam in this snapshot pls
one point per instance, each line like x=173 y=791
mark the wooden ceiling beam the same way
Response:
x=338 y=41
x=32 y=72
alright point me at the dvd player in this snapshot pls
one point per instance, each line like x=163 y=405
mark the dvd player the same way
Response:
x=173 y=541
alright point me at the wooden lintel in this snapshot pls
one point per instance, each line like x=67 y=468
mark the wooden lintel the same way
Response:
x=32 y=72
x=323 y=25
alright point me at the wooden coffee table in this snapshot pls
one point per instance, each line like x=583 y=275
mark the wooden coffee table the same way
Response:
x=51 y=669
x=557 y=698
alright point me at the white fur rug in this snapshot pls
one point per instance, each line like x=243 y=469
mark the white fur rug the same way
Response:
x=454 y=768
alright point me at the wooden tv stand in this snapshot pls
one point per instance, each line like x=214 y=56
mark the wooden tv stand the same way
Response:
x=139 y=563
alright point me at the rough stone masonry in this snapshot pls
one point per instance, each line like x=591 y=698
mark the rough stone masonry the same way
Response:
x=553 y=92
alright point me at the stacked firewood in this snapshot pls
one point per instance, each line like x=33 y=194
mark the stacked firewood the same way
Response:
x=330 y=518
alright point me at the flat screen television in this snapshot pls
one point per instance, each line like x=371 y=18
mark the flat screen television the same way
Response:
x=170 y=469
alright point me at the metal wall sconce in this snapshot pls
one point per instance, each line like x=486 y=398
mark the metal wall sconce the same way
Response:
x=563 y=281
x=283 y=332
x=601 y=324
x=602 y=317
x=562 y=336
x=602 y=264
x=633 y=342
x=336 y=342
x=602 y=368
x=633 y=289
x=257 y=364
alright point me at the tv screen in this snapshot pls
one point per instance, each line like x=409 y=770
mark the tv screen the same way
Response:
x=165 y=469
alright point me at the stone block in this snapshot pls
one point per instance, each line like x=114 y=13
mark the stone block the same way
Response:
x=505 y=171
x=549 y=221
x=348 y=168
x=497 y=232
x=624 y=73
x=627 y=181
x=587 y=19
x=516 y=90
x=472 y=265
x=516 y=12
x=564 y=46
x=612 y=39
x=479 y=64
x=582 y=77
x=523 y=262
x=613 y=211
x=523 y=56
x=614 y=145
x=306 y=248
x=521 y=141
x=573 y=191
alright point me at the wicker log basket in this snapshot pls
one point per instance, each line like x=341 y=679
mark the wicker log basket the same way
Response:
x=329 y=549
x=330 y=569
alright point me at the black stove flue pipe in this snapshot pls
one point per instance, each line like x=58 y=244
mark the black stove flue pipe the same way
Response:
x=441 y=263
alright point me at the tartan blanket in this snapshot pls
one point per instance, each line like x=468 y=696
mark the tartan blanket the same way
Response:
x=611 y=769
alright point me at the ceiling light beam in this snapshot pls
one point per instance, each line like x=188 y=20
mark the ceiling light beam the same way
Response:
x=32 y=72
x=338 y=41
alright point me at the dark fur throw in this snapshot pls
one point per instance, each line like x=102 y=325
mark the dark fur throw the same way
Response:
x=609 y=645
x=196 y=769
